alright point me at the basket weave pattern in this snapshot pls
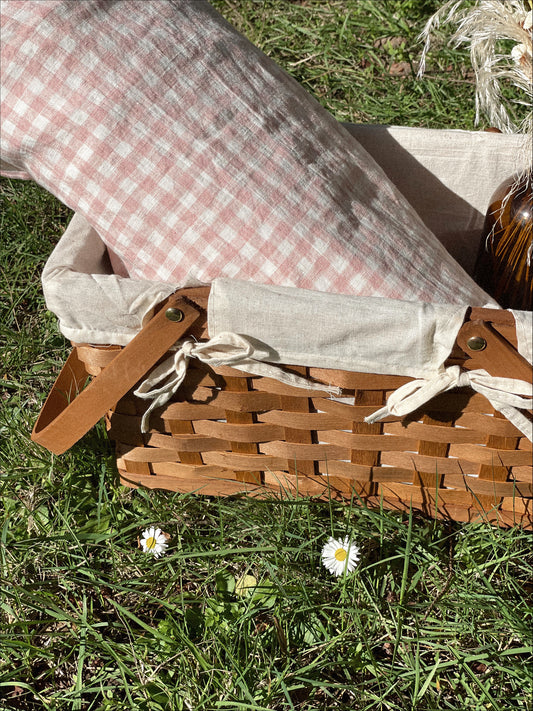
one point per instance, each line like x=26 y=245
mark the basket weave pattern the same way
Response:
x=227 y=433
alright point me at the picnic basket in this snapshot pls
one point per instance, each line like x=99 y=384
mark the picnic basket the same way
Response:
x=226 y=431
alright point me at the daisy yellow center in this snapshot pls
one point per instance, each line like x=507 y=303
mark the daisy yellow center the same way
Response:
x=340 y=554
x=150 y=542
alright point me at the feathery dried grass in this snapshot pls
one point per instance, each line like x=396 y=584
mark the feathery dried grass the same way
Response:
x=489 y=28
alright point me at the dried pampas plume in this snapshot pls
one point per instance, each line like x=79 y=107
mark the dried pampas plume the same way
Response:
x=488 y=27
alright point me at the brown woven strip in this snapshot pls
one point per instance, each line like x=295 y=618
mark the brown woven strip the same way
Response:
x=419 y=462
x=490 y=456
x=292 y=407
x=304 y=420
x=311 y=452
x=240 y=384
x=179 y=469
x=253 y=432
x=194 y=484
x=146 y=454
x=191 y=411
x=357 y=381
x=493 y=472
x=184 y=427
x=383 y=443
x=435 y=434
x=481 y=486
x=488 y=424
x=277 y=388
x=428 y=431
x=246 y=401
x=427 y=497
x=185 y=442
x=244 y=462
x=521 y=474
x=369 y=457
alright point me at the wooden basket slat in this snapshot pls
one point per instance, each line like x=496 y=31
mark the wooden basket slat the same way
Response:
x=190 y=411
x=519 y=508
x=480 y=486
x=243 y=462
x=522 y=474
x=304 y=420
x=488 y=424
x=251 y=432
x=247 y=401
x=348 y=380
x=346 y=410
x=146 y=454
x=426 y=463
x=275 y=387
x=368 y=442
x=492 y=457
x=186 y=442
x=309 y=452
x=205 y=486
x=190 y=470
x=295 y=406
x=434 y=433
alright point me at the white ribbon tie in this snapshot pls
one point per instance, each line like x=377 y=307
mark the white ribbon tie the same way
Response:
x=226 y=348
x=506 y=395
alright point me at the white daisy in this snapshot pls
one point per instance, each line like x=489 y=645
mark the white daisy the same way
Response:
x=340 y=555
x=154 y=541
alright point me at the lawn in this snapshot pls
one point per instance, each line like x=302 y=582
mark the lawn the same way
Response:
x=435 y=616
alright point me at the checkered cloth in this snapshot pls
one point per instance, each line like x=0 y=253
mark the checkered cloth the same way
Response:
x=195 y=156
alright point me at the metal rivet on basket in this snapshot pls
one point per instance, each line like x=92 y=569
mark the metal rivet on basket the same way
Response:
x=174 y=314
x=476 y=343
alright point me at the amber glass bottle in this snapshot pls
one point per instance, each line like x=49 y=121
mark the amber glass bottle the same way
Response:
x=504 y=266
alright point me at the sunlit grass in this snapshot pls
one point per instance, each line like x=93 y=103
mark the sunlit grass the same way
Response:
x=436 y=616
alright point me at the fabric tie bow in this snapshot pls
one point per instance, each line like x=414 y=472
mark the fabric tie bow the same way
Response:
x=506 y=395
x=226 y=348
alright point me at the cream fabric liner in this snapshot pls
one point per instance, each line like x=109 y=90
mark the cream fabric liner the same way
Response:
x=357 y=333
x=93 y=305
x=254 y=328
x=448 y=176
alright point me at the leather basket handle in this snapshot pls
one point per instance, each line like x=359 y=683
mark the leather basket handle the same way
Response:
x=71 y=410
x=488 y=339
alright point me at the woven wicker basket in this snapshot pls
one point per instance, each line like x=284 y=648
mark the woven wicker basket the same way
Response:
x=228 y=433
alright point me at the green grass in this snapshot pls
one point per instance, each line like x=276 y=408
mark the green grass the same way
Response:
x=436 y=616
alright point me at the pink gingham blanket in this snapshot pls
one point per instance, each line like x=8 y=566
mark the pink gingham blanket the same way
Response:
x=195 y=156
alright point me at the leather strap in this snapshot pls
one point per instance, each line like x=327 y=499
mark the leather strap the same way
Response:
x=488 y=339
x=71 y=410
